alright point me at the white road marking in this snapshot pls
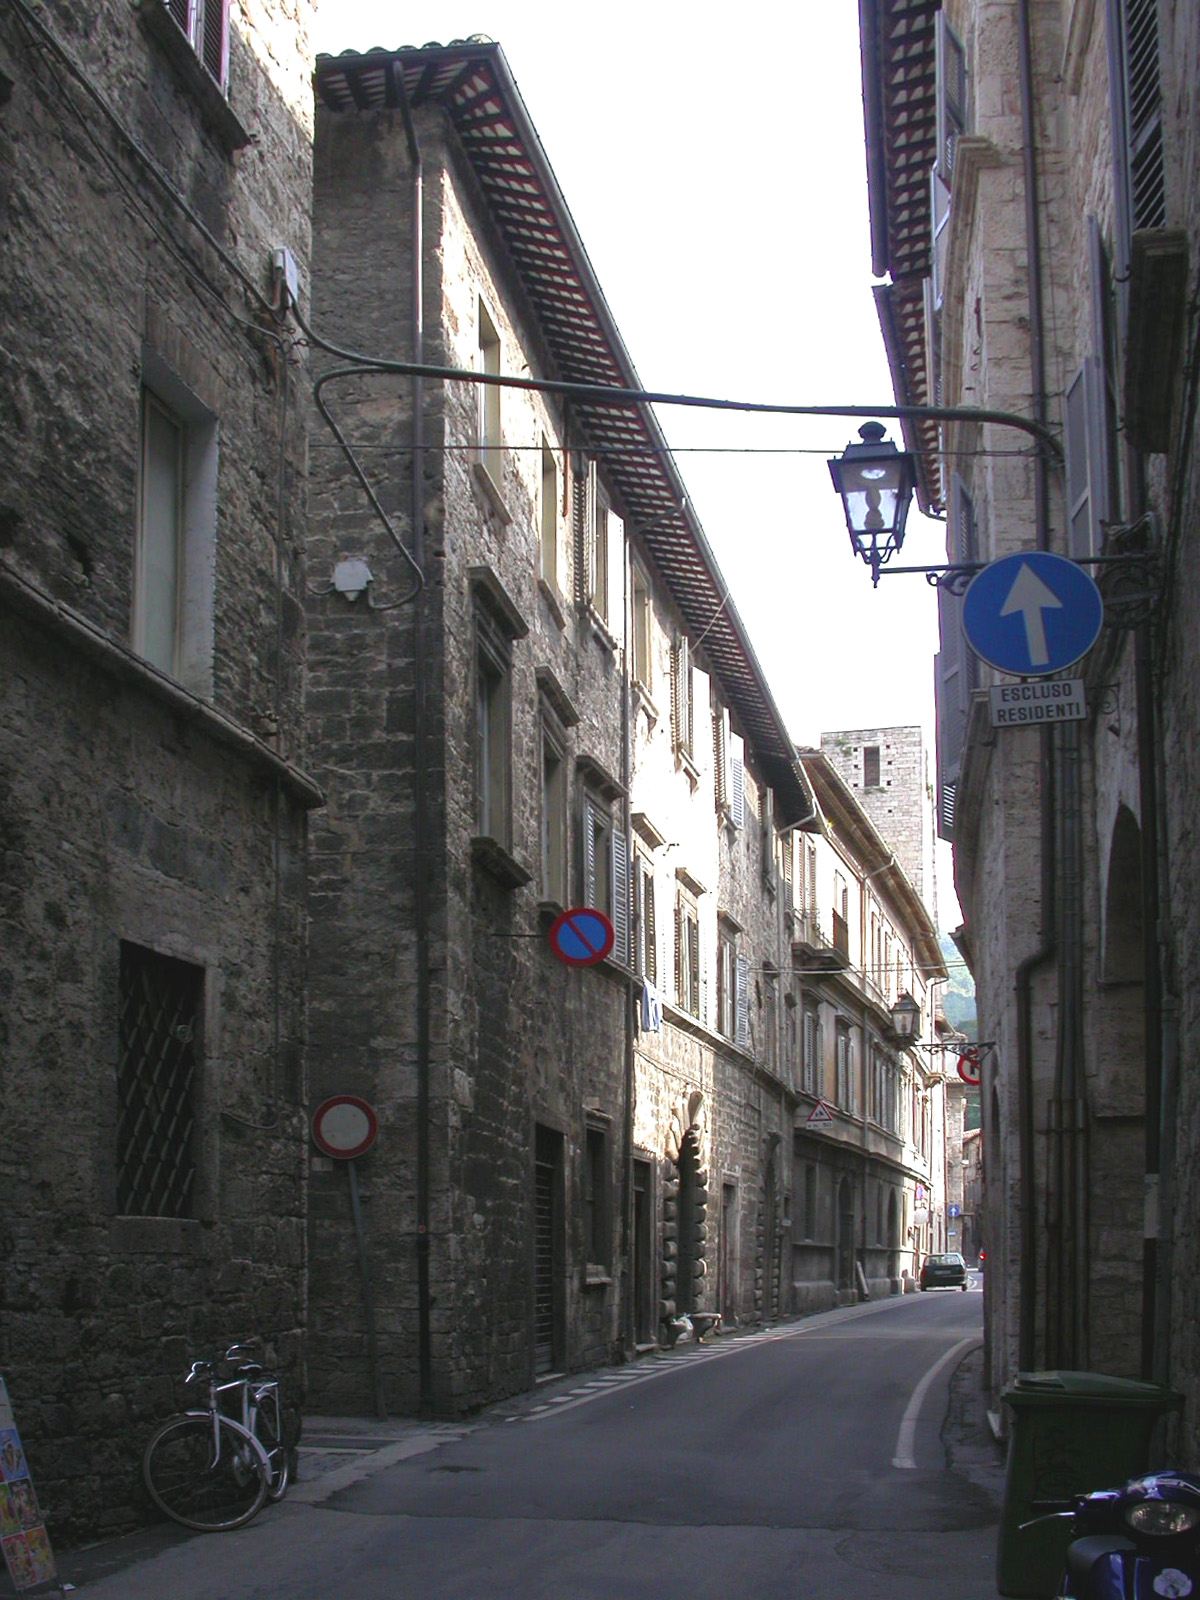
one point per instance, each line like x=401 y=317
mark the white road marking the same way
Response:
x=908 y=1425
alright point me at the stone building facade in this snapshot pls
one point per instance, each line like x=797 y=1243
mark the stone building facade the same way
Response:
x=529 y=691
x=888 y=770
x=870 y=1135
x=1045 y=267
x=153 y=802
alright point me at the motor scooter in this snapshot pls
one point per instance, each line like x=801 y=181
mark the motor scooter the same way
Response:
x=1138 y=1542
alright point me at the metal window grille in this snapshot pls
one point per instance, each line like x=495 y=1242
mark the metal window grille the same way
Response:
x=159 y=1015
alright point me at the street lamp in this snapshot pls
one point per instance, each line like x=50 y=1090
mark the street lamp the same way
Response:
x=876 y=483
x=906 y=1018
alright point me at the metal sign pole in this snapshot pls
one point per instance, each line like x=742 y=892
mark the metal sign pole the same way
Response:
x=368 y=1303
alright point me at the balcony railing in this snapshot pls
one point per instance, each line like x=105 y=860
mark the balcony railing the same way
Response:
x=814 y=945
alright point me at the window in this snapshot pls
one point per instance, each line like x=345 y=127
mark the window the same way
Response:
x=605 y=868
x=845 y=1067
x=488 y=437
x=159 y=1013
x=596 y=1199
x=1090 y=418
x=554 y=812
x=733 y=1016
x=647 y=937
x=497 y=624
x=493 y=741
x=841 y=916
x=205 y=25
x=870 y=766
x=598 y=562
x=687 y=955
x=810 y=1201
x=811 y=1073
x=175 y=555
x=766 y=839
x=770 y=1021
x=549 y=515
x=643 y=637
x=603 y=557
x=682 y=706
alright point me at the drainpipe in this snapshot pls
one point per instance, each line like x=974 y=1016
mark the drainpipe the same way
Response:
x=628 y=1243
x=1026 y=1339
x=421 y=828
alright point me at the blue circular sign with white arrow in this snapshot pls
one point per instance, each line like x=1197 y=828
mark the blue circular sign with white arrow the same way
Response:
x=1032 y=613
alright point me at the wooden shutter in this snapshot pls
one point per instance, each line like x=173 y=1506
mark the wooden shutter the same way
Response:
x=1103 y=450
x=693 y=966
x=742 y=1001
x=681 y=696
x=620 y=896
x=1143 y=81
x=212 y=46
x=720 y=724
x=589 y=851
x=179 y=9
x=583 y=493
x=680 y=999
x=951 y=72
x=1077 y=407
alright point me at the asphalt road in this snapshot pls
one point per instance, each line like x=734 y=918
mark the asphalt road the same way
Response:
x=809 y=1460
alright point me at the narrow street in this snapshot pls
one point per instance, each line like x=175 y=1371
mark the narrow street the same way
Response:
x=807 y=1460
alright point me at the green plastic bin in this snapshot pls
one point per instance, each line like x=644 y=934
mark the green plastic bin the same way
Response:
x=1072 y=1432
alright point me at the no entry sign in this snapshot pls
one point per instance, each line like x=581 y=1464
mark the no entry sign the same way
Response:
x=344 y=1127
x=582 y=936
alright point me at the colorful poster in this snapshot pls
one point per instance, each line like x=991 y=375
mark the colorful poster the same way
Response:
x=23 y=1535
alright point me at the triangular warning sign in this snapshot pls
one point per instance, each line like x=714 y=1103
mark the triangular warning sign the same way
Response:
x=820 y=1114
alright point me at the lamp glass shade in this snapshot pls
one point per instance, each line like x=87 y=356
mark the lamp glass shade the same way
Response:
x=876 y=483
x=906 y=1017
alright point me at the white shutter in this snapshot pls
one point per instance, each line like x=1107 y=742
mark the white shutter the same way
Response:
x=616 y=576
x=939 y=211
x=620 y=896
x=701 y=715
x=743 y=1001
x=1088 y=460
x=737 y=780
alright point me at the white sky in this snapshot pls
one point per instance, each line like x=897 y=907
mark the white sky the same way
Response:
x=714 y=164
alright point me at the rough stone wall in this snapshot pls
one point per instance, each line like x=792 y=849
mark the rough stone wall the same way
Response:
x=1176 y=490
x=128 y=811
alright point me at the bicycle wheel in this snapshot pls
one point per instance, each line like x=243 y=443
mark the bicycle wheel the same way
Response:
x=197 y=1483
x=278 y=1453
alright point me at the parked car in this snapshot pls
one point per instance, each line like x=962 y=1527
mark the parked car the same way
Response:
x=944 y=1272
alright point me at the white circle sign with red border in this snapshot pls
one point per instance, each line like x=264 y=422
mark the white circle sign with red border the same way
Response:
x=344 y=1127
